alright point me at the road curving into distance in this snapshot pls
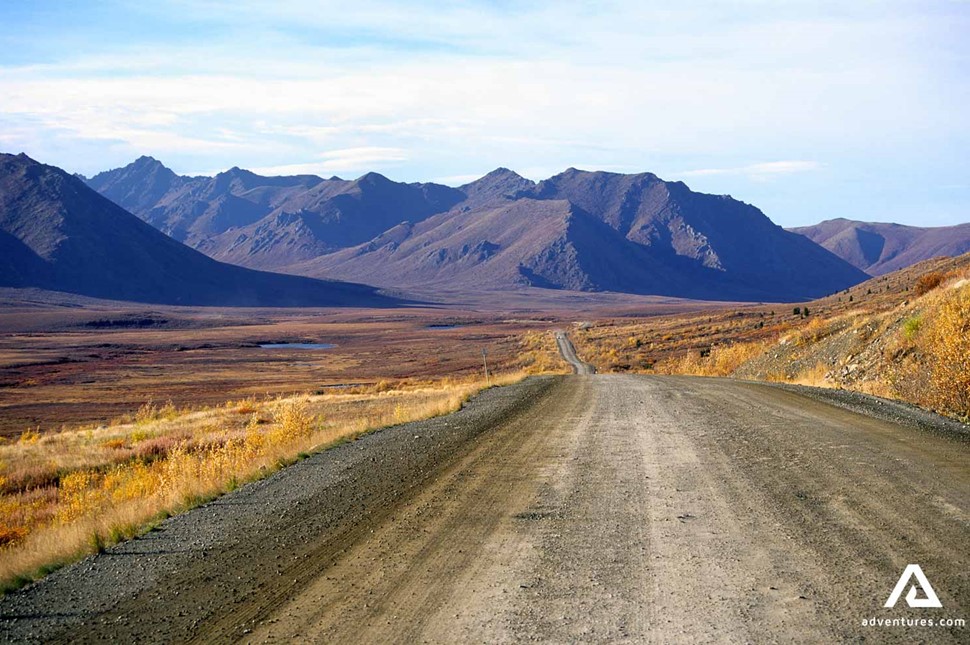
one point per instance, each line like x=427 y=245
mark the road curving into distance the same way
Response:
x=568 y=352
x=606 y=508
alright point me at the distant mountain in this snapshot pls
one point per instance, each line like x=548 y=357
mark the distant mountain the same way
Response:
x=595 y=232
x=268 y=222
x=501 y=183
x=592 y=231
x=58 y=234
x=523 y=242
x=195 y=209
x=879 y=248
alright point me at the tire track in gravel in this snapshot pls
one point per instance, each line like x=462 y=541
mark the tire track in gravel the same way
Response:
x=444 y=553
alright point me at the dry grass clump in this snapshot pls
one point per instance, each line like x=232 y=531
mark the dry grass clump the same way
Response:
x=946 y=343
x=67 y=494
x=931 y=353
x=150 y=412
x=720 y=360
x=815 y=376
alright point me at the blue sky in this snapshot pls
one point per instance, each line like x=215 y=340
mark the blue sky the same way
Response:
x=809 y=110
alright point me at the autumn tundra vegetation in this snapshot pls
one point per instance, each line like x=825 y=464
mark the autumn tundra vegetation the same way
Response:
x=70 y=493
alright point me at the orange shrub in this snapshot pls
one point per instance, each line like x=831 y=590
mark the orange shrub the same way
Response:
x=928 y=282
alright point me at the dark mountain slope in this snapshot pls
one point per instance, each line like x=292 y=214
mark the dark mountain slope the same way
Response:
x=333 y=215
x=58 y=234
x=517 y=243
x=700 y=230
x=525 y=242
x=879 y=248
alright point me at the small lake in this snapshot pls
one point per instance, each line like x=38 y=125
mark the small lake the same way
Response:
x=296 y=346
x=444 y=326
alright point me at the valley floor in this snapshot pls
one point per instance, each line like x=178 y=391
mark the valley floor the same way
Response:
x=593 y=508
x=68 y=361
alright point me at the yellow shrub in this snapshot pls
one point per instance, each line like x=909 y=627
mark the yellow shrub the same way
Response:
x=293 y=421
x=726 y=359
x=813 y=332
x=78 y=495
x=29 y=437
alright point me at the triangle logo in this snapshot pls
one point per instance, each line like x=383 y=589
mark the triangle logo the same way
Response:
x=930 y=599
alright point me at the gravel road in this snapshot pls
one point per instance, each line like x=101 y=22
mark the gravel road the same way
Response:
x=568 y=353
x=582 y=508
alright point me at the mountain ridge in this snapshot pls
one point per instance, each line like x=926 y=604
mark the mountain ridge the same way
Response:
x=627 y=233
x=56 y=233
x=879 y=248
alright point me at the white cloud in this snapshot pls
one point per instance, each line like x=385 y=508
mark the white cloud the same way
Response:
x=633 y=80
x=337 y=161
x=758 y=171
x=457 y=180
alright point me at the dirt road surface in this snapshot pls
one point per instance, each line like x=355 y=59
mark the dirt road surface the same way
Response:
x=581 y=508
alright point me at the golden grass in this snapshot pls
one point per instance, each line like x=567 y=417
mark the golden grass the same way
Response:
x=815 y=376
x=948 y=345
x=68 y=494
x=721 y=360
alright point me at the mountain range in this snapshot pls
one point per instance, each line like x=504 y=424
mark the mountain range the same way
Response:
x=56 y=233
x=879 y=248
x=579 y=230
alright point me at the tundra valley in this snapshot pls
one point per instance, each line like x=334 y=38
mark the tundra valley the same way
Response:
x=436 y=324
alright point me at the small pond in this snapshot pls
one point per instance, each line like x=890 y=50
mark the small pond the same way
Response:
x=296 y=346
x=444 y=326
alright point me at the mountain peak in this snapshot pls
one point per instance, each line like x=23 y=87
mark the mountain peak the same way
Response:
x=146 y=160
x=500 y=183
x=502 y=171
x=373 y=178
x=145 y=165
x=142 y=181
x=235 y=171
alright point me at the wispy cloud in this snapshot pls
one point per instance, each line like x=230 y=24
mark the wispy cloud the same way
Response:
x=457 y=180
x=337 y=161
x=758 y=171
